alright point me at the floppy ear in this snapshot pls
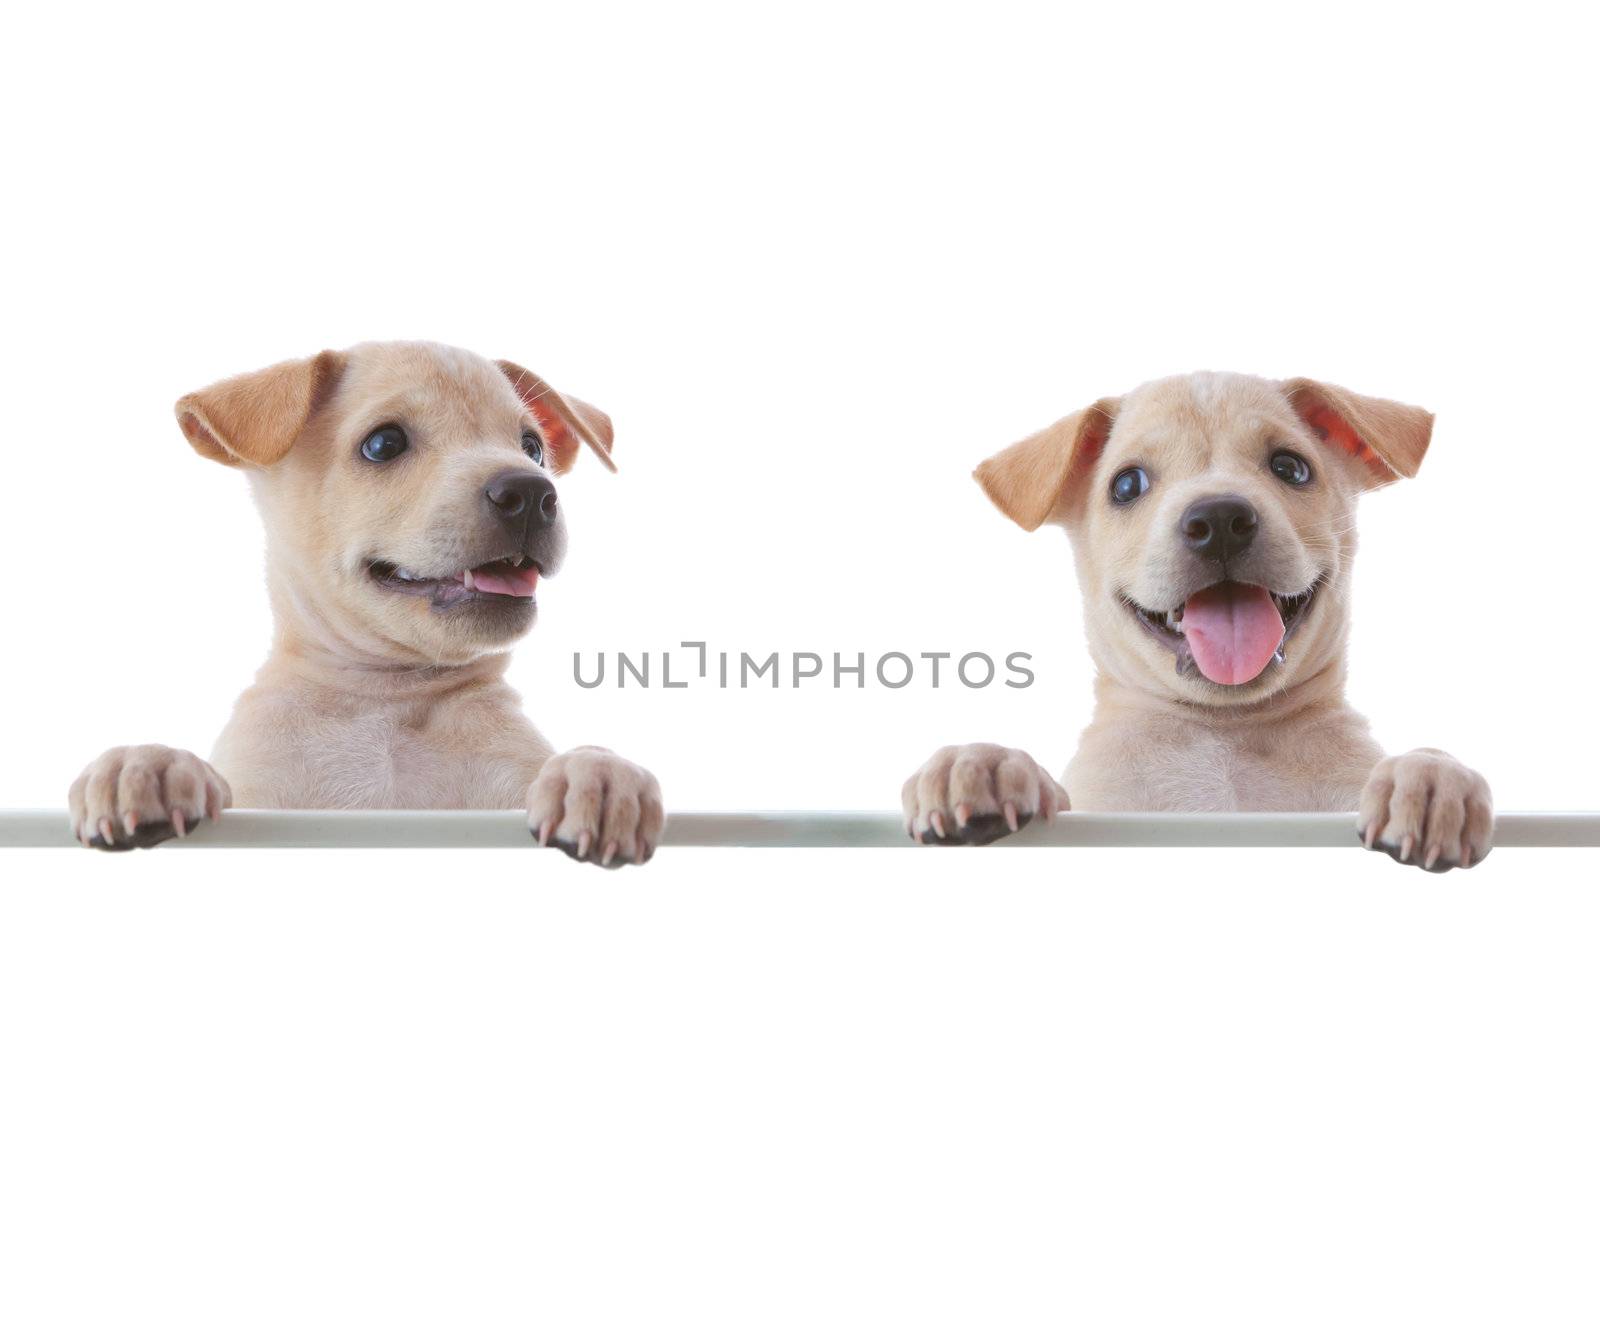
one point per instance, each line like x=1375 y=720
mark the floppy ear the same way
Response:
x=1389 y=438
x=562 y=420
x=255 y=418
x=1031 y=480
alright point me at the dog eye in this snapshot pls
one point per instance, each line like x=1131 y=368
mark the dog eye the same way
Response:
x=1290 y=468
x=533 y=445
x=1126 y=486
x=385 y=444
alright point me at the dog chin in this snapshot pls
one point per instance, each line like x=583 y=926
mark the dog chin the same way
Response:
x=454 y=633
x=481 y=622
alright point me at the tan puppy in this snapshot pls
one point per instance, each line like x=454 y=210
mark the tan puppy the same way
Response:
x=407 y=494
x=1212 y=517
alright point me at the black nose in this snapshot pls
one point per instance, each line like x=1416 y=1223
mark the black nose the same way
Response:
x=1218 y=528
x=522 y=497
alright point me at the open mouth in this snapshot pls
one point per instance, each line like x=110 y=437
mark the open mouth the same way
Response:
x=1229 y=632
x=511 y=578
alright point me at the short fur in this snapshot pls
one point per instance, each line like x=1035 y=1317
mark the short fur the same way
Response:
x=1161 y=741
x=373 y=697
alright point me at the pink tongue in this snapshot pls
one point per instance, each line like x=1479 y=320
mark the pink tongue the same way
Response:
x=505 y=581
x=1233 y=629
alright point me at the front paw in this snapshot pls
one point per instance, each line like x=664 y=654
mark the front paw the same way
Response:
x=1425 y=808
x=590 y=799
x=134 y=797
x=972 y=794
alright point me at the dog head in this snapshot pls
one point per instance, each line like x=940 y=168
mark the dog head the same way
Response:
x=407 y=490
x=1212 y=517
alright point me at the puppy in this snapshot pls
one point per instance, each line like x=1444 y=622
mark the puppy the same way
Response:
x=408 y=495
x=1212 y=518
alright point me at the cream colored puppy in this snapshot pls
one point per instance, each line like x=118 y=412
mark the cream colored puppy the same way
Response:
x=1212 y=517
x=408 y=496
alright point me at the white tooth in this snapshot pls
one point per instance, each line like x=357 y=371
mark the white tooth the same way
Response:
x=466 y=579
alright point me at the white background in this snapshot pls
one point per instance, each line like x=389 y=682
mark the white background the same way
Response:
x=816 y=264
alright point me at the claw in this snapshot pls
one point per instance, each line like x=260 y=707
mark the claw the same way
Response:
x=608 y=854
x=937 y=819
x=583 y=844
x=1407 y=844
x=181 y=826
x=1011 y=815
x=963 y=814
x=105 y=831
x=1434 y=851
x=1371 y=833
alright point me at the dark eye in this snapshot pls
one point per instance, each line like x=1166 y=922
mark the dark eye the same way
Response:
x=533 y=445
x=385 y=444
x=1290 y=468
x=1126 y=486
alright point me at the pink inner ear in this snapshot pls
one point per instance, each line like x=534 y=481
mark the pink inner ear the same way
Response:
x=1091 y=443
x=1334 y=429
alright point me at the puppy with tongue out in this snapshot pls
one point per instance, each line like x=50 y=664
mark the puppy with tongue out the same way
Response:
x=409 y=499
x=1212 y=522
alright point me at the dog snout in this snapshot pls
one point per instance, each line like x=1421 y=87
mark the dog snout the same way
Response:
x=1219 y=527
x=522 y=498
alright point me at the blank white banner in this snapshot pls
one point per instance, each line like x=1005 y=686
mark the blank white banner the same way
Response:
x=264 y=829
